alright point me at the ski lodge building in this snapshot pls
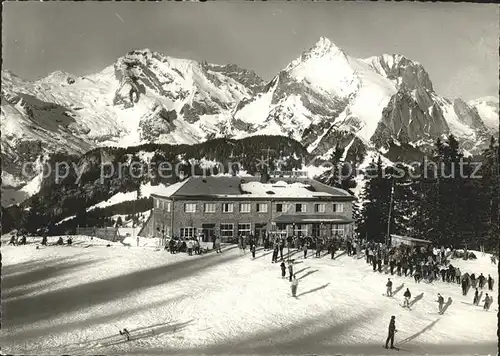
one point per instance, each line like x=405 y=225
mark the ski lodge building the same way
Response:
x=229 y=206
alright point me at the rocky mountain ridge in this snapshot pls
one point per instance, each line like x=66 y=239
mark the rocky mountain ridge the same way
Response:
x=322 y=99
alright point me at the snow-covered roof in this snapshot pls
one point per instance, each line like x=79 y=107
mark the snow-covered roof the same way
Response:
x=235 y=187
x=281 y=189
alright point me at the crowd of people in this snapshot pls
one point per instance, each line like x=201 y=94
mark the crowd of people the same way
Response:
x=18 y=238
x=421 y=263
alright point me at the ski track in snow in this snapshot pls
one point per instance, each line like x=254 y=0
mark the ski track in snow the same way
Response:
x=75 y=299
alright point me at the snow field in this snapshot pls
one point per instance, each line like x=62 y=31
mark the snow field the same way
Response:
x=224 y=304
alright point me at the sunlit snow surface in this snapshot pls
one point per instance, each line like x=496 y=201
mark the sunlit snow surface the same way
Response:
x=74 y=300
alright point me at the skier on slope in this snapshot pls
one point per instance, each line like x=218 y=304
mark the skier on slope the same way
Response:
x=275 y=253
x=490 y=283
x=290 y=270
x=389 y=287
x=458 y=275
x=294 y=285
x=333 y=249
x=487 y=302
x=475 y=301
x=417 y=276
x=464 y=285
x=12 y=240
x=481 y=279
x=440 y=302
x=283 y=269
x=125 y=333
x=407 y=296
x=392 y=331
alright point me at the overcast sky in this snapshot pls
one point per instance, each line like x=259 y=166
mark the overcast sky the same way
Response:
x=456 y=43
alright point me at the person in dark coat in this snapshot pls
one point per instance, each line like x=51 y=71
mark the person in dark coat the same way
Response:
x=475 y=301
x=392 y=264
x=253 y=248
x=12 y=240
x=473 y=280
x=275 y=253
x=305 y=249
x=410 y=268
x=283 y=270
x=290 y=270
x=464 y=286
x=392 y=331
x=443 y=274
x=440 y=302
x=281 y=247
x=487 y=302
x=333 y=249
x=490 y=283
x=417 y=276
x=481 y=279
x=407 y=296
x=389 y=287
x=294 y=285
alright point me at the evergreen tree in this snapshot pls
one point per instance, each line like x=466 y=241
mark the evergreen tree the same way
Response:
x=375 y=201
x=487 y=186
x=341 y=174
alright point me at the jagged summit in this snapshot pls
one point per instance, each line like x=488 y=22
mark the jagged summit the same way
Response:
x=325 y=46
x=401 y=69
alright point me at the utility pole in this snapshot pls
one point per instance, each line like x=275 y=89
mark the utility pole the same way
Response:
x=133 y=214
x=388 y=237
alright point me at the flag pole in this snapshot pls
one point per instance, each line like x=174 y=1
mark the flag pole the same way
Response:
x=388 y=237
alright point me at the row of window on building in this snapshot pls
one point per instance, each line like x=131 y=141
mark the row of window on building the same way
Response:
x=247 y=207
x=229 y=230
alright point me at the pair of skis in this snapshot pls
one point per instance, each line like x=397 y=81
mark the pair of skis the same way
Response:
x=126 y=334
x=392 y=348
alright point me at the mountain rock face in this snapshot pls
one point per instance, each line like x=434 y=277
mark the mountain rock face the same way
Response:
x=487 y=109
x=322 y=99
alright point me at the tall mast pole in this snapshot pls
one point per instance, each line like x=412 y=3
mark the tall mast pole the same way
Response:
x=388 y=237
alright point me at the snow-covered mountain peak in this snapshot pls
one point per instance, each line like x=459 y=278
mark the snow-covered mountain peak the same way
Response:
x=325 y=69
x=325 y=46
x=56 y=77
x=401 y=70
x=487 y=108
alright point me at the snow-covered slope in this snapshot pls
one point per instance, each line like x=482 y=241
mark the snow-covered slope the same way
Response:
x=226 y=304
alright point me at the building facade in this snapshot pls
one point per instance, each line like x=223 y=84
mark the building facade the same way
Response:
x=232 y=206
